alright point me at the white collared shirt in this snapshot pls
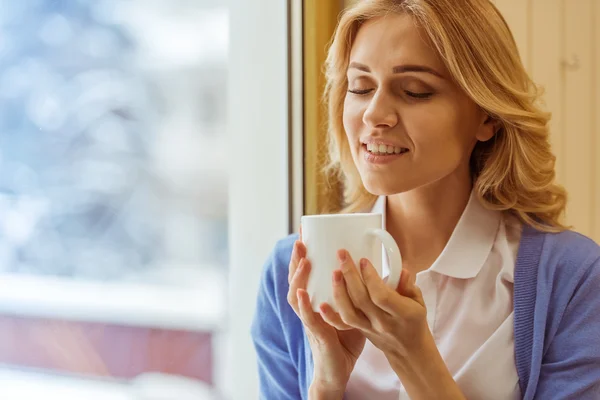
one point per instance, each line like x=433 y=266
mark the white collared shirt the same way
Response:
x=468 y=292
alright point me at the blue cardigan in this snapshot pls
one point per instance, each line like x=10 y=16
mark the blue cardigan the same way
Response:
x=557 y=321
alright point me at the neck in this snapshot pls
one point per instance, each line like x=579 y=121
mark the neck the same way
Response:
x=422 y=220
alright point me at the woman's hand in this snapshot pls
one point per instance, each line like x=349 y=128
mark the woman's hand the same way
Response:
x=395 y=321
x=334 y=351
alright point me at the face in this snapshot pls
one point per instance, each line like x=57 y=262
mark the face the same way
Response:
x=408 y=125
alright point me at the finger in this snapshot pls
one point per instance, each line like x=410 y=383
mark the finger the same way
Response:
x=380 y=294
x=356 y=288
x=309 y=318
x=299 y=281
x=300 y=232
x=409 y=288
x=349 y=314
x=298 y=253
x=333 y=318
x=404 y=284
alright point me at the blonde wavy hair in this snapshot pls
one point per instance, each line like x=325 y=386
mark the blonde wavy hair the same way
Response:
x=514 y=171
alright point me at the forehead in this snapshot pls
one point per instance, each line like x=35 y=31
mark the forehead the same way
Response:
x=392 y=40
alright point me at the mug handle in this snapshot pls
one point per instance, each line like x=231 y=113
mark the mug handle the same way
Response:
x=393 y=253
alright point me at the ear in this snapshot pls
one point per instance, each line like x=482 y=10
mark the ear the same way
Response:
x=488 y=128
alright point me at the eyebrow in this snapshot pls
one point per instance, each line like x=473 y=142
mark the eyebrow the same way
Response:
x=399 y=69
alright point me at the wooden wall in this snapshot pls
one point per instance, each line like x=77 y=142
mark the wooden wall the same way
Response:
x=559 y=42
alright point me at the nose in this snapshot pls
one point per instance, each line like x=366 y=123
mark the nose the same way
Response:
x=380 y=112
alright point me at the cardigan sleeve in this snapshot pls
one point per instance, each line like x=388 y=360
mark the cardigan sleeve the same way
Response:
x=278 y=375
x=571 y=366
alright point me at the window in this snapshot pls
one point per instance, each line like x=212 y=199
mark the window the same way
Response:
x=144 y=180
x=113 y=139
x=114 y=247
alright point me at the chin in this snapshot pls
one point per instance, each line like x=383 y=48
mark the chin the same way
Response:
x=383 y=187
x=395 y=181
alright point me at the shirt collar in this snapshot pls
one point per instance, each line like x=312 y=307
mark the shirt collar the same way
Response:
x=470 y=243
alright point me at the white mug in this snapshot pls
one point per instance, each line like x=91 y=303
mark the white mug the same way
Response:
x=361 y=234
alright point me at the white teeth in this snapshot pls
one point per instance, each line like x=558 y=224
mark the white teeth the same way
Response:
x=384 y=149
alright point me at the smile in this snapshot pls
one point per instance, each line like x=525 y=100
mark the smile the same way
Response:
x=382 y=154
x=382 y=149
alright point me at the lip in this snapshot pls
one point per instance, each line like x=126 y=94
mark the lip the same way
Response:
x=376 y=159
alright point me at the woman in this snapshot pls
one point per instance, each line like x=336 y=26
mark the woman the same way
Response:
x=433 y=122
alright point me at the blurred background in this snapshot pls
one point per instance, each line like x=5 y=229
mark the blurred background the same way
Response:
x=114 y=158
x=153 y=151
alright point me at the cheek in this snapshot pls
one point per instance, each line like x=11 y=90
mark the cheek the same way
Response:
x=437 y=132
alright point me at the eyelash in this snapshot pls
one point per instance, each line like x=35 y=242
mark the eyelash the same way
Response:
x=360 y=92
x=420 y=96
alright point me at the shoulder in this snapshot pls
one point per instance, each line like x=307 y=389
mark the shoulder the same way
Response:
x=563 y=253
x=556 y=278
x=572 y=254
x=571 y=245
x=562 y=264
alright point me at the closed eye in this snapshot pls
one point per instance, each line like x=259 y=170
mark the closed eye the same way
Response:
x=360 y=91
x=424 y=95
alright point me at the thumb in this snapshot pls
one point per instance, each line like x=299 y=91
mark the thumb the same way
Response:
x=408 y=287
x=406 y=281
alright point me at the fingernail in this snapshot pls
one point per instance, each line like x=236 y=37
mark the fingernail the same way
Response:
x=337 y=276
x=342 y=255
x=363 y=263
x=301 y=250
